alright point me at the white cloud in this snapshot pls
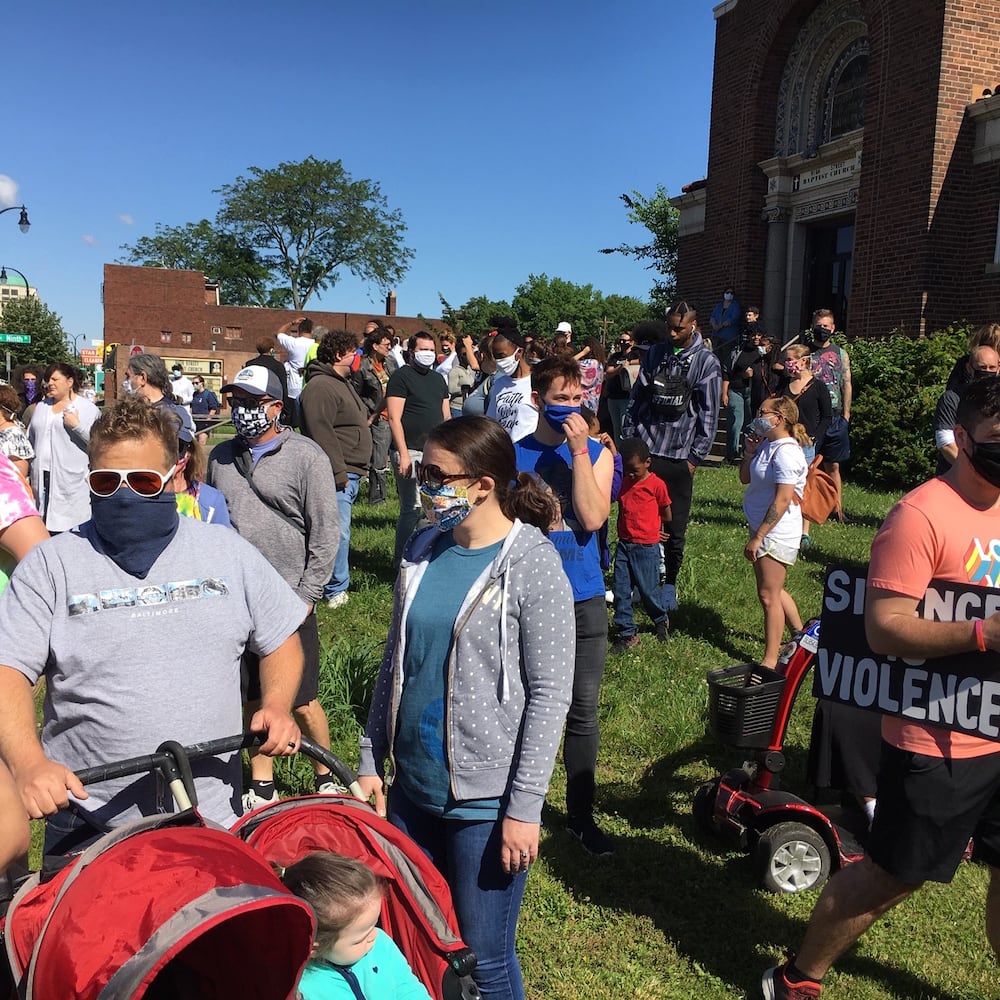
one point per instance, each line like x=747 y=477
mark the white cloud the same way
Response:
x=8 y=190
x=127 y=219
x=89 y=240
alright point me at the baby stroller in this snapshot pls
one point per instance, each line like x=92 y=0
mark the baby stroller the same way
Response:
x=173 y=905
x=417 y=911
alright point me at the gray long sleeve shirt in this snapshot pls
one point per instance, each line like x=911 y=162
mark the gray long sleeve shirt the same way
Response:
x=296 y=479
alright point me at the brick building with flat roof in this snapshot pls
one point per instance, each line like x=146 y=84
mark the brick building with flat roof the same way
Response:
x=176 y=314
x=854 y=164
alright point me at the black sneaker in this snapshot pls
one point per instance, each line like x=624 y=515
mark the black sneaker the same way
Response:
x=590 y=835
x=663 y=630
x=625 y=643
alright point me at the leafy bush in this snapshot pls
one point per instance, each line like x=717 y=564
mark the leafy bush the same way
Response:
x=897 y=383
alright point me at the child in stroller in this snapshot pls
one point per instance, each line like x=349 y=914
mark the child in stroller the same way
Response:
x=351 y=956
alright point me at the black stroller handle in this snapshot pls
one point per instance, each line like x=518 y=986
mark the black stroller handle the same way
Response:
x=173 y=762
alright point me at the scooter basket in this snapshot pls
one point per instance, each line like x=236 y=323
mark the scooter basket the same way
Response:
x=742 y=702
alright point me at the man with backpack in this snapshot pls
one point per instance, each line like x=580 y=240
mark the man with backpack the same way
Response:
x=674 y=408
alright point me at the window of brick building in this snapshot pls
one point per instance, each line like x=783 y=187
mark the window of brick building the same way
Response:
x=165 y=336
x=186 y=338
x=234 y=333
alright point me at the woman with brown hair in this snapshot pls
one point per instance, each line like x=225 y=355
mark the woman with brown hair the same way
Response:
x=475 y=683
x=14 y=441
x=774 y=472
x=60 y=433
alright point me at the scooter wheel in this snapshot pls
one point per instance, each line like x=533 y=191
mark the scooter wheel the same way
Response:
x=792 y=857
x=703 y=807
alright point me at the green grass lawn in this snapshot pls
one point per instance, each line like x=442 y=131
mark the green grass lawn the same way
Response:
x=675 y=914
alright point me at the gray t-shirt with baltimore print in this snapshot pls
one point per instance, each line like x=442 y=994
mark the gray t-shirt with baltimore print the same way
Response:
x=130 y=663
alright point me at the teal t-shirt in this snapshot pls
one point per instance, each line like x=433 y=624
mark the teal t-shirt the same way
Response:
x=419 y=747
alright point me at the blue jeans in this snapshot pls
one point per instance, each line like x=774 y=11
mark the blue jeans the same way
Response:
x=410 y=510
x=487 y=900
x=637 y=565
x=739 y=413
x=340 y=580
x=67 y=832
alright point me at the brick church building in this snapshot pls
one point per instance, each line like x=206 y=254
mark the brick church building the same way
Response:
x=854 y=163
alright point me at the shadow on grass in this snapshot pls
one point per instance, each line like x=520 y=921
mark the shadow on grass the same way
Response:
x=698 y=890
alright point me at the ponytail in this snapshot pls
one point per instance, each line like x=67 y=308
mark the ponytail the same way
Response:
x=526 y=499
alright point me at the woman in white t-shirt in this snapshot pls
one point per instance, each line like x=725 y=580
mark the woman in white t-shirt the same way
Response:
x=774 y=473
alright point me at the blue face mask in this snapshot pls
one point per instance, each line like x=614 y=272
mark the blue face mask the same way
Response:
x=134 y=530
x=556 y=415
x=445 y=506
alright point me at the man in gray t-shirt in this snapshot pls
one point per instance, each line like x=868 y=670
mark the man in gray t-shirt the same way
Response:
x=137 y=620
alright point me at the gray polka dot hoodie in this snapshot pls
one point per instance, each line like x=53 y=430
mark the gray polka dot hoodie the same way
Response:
x=510 y=674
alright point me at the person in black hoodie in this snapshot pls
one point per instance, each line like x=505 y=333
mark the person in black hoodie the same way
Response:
x=335 y=417
x=737 y=375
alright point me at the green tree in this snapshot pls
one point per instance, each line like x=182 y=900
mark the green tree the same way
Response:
x=308 y=220
x=474 y=318
x=35 y=318
x=540 y=303
x=284 y=234
x=660 y=253
x=244 y=279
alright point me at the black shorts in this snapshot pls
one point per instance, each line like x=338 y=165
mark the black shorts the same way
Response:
x=928 y=809
x=308 y=633
x=836 y=443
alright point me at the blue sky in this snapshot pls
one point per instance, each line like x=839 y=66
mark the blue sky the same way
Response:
x=503 y=132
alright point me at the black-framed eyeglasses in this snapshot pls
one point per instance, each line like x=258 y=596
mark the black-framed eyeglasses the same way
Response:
x=146 y=482
x=431 y=475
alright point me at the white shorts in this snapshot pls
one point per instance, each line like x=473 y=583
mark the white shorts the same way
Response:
x=778 y=551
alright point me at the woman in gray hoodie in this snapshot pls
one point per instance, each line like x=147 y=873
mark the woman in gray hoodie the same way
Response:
x=474 y=686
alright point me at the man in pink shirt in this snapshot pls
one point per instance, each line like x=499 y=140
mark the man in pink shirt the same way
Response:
x=937 y=788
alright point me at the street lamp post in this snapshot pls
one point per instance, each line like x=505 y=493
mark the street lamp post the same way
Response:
x=23 y=224
x=76 y=338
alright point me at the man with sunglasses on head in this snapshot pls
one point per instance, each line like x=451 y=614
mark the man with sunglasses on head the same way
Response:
x=100 y=612
x=674 y=408
x=282 y=498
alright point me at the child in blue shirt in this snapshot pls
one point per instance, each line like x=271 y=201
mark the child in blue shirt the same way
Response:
x=351 y=957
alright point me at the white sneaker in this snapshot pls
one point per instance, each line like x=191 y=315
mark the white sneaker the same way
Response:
x=327 y=784
x=669 y=597
x=609 y=597
x=338 y=600
x=251 y=800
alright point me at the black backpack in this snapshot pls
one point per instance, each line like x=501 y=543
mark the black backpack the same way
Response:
x=670 y=390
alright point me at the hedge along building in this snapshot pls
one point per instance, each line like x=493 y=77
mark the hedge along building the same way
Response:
x=854 y=164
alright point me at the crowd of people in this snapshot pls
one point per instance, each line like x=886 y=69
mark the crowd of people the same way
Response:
x=507 y=455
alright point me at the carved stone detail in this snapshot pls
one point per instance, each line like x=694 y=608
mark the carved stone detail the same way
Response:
x=814 y=62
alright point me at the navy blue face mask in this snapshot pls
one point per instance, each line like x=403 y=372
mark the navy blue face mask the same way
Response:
x=556 y=415
x=134 y=530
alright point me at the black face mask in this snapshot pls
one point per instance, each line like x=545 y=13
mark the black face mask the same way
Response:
x=985 y=459
x=820 y=335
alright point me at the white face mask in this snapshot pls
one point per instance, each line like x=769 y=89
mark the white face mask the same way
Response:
x=508 y=365
x=425 y=358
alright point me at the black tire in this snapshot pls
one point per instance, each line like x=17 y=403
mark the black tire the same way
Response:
x=792 y=857
x=703 y=807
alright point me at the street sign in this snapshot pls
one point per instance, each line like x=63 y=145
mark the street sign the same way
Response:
x=15 y=338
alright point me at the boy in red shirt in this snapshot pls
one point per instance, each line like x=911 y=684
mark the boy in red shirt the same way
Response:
x=643 y=523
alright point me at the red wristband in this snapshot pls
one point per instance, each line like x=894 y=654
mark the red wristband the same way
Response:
x=980 y=638
x=582 y=451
